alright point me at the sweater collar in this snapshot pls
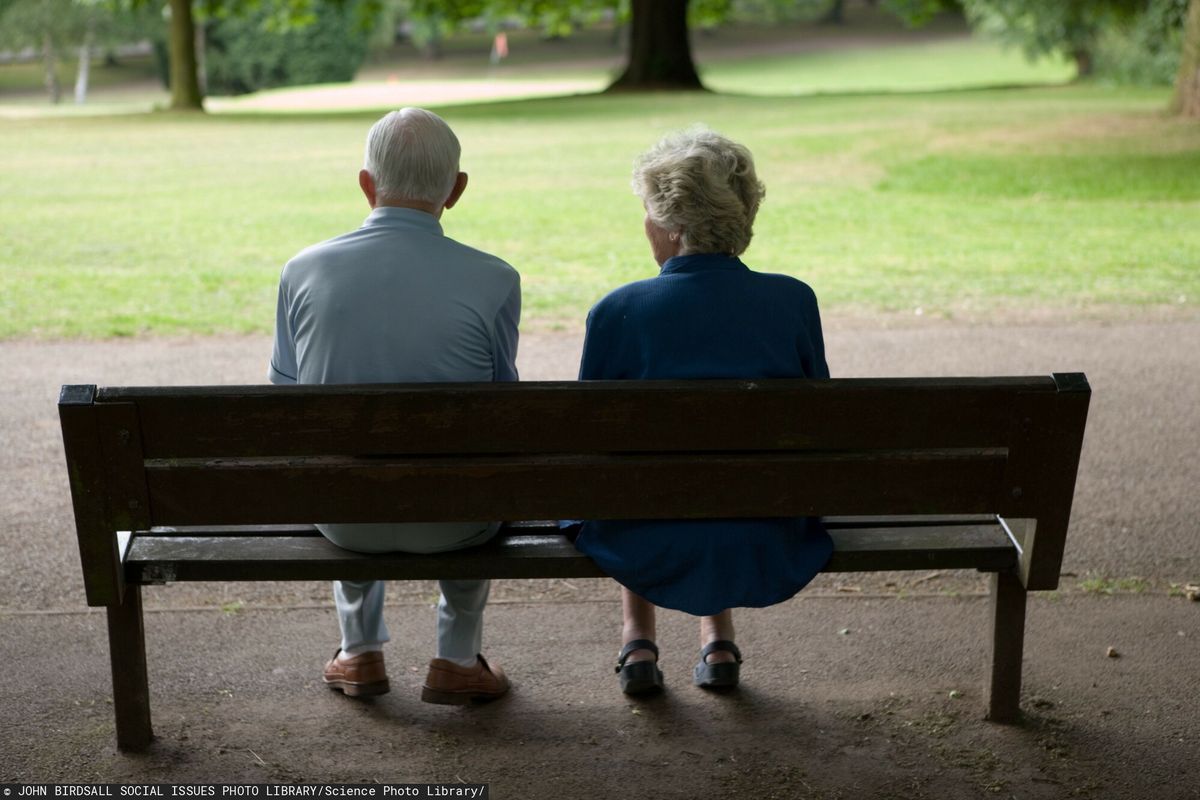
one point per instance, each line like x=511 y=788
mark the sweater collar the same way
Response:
x=402 y=218
x=702 y=262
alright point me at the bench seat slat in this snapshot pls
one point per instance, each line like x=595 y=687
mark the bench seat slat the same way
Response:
x=159 y=558
x=231 y=558
x=546 y=526
x=981 y=547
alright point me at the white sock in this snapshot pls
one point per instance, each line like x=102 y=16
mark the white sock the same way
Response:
x=346 y=655
x=462 y=662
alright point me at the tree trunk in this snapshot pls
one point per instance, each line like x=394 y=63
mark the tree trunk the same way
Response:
x=185 y=89
x=427 y=34
x=85 y=65
x=1084 y=66
x=660 y=55
x=620 y=33
x=201 y=45
x=836 y=15
x=1187 y=85
x=50 y=62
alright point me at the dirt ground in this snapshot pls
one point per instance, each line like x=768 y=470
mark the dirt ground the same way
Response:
x=866 y=686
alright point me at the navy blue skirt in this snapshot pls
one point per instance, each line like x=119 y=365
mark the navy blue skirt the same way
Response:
x=705 y=566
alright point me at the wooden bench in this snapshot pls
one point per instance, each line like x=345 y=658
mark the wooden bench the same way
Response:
x=221 y=483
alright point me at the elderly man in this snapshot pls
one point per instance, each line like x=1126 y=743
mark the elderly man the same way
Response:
x=397 y=301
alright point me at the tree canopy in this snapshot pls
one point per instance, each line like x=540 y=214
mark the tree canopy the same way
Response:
x=1075 y=28
x=186 y=93
x=1163 y=33
x=52 y=27
x=47 y=26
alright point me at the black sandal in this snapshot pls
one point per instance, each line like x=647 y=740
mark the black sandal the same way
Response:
x=723 y=674
x=640 y=677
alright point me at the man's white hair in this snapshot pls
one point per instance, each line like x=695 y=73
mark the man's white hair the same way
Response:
x=702 y=185
x=412 y=155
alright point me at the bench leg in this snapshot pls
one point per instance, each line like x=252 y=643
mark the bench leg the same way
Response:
x=1008 y=644
x=131 y=690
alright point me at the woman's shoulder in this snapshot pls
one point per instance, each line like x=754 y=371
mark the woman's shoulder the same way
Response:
x=782 y=280
x=778 y=282
x=622 y=298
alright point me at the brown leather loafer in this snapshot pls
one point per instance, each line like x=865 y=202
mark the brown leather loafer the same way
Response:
x=449 y=684
x=361 y=676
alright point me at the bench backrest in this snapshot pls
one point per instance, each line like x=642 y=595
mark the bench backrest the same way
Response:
x=145 y=457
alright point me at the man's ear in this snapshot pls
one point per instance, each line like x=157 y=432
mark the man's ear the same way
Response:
x=460 y=186
x=367 y=184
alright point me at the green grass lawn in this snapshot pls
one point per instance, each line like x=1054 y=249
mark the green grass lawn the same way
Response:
x=968 y=204
x=940 y=64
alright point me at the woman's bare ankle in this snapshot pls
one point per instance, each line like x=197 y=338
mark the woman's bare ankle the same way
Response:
x=638 y=623
x=717 y=628
x=630 y=634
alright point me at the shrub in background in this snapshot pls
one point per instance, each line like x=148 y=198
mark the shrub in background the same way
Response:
x=253 y=51
x=1146 y=49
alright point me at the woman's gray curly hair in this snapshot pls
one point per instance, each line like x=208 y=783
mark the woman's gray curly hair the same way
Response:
x=702 y=185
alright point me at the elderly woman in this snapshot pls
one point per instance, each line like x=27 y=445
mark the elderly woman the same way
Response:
x=705 y=315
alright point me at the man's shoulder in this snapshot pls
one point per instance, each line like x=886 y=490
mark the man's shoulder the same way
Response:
x=320 y=252
x=475 y=258
x=357 y=245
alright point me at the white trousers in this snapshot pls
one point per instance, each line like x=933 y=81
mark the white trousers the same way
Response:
x=460 y=608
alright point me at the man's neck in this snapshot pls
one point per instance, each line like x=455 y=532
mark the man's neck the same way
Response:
x=416 y=205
